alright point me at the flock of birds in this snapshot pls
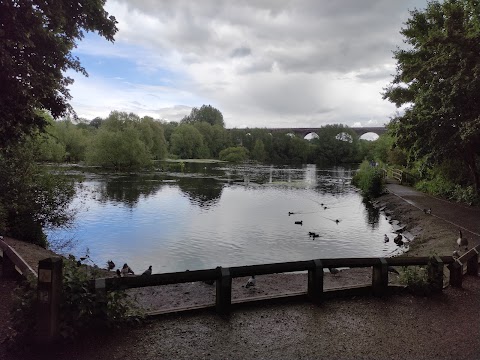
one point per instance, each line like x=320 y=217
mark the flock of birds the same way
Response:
x=251 y=282
x=126 y=270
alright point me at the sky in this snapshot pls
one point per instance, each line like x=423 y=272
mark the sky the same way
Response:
x=262 y=63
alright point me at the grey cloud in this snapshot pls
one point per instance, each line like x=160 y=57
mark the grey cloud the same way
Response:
x=241 y=52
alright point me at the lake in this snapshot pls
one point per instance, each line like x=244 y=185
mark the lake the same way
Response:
x=224 y=215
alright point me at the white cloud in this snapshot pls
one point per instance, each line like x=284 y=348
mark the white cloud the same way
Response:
x=262 y=63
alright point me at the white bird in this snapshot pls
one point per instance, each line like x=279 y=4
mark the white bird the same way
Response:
x=461 y=241
x=148 y=271
x=386 y=239
x=251 y=282
x=126 y=270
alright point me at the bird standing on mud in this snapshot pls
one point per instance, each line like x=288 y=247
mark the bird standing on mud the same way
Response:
x=333 y=271
x=251 y=282
x=461 y=241
x=110 y=265
x=148 y=271
x=126 y=270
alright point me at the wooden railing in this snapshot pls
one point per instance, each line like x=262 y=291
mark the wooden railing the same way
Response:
x=467 y=263
x=315 y=293
x=13 y=264
x=394 y=173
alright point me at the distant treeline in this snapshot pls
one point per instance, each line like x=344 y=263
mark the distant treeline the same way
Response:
x=127 y=141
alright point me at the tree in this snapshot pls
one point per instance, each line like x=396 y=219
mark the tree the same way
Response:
x=206 y=113
x=437 y=80
x=36 y=40
x=187 y=142
x=31 y=198
x=258 y=152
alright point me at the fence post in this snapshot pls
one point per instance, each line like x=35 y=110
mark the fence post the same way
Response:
x=49 y=292
x=456 y=274
x=380 y=278
x=315 y=282
x=8 y=267
x=472 y=264
x=101 y=297
x=435 y=273
x=223 y=299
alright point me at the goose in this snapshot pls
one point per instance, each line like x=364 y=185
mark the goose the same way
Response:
x=333 y=271
x=299 y=222
x=461 y=241
x=385 y=238
x=393 y=270
x=110 y=265
x=148 y=271
x=251 y=282
x=126 y=270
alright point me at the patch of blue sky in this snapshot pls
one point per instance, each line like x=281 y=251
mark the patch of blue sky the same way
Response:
x=124 y=62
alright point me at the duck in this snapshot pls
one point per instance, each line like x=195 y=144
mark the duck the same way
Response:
x=315 y=235
x=251 y=282
x=337 y=221
x=311 y=233
x=333 y=271
x=119 y=274
x=428 y=211
x=148 y=271
x=461 y=241
x=110 y=265
x=290 y=213
x=126 y=270
x=456 y=254
x=385 y=238
x=398 y=239
x=299 y=222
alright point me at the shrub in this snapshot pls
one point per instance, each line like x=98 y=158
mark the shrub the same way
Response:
x=79 y=309
x=369 y=179
x=234 y=154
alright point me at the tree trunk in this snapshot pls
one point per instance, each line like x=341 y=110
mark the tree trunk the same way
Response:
x=472 y=165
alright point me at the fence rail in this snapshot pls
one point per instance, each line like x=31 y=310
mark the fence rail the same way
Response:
x=50 y=280
x=13 y=264
x=223 y=276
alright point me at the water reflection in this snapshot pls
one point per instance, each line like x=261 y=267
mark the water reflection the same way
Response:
x=204 y=192
x=128 y=189
x=372 y=215
x=163 y=222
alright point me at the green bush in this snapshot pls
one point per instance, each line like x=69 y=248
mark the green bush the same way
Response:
x=234 y=154
x=369 y=179
x=79 y=310
x=441 y=187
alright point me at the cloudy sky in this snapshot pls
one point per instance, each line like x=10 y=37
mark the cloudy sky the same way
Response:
x=262 y=63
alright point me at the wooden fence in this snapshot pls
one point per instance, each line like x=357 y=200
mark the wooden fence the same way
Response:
x=316 y=293
x=394 y=173
x=465 y=264
x=50 y=280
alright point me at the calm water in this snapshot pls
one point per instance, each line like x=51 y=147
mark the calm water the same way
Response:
x=217 y=215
